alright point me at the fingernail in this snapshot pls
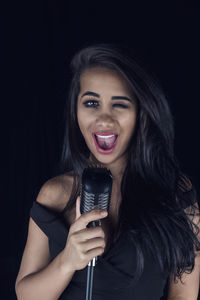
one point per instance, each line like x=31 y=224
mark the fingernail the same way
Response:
x=104 y=213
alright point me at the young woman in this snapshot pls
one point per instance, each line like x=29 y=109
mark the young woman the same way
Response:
x=117 y=117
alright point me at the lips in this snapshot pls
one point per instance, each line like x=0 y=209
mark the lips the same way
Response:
x=105 y=140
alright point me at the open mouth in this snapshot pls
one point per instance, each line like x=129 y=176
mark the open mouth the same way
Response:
x=105 y=142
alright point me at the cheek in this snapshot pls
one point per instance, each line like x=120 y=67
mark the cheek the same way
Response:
x=84 y=120
x=80 y=117
x=129 y=123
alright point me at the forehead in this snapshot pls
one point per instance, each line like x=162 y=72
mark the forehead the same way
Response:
x=99 y=77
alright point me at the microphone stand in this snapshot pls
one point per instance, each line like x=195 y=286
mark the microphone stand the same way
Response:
x=90 y=269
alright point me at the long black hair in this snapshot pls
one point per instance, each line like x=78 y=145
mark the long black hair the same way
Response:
x=153 y=188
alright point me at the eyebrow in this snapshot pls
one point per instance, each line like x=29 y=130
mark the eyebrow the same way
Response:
x=88 y=93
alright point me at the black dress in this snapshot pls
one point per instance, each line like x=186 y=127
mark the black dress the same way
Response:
x=113 y=272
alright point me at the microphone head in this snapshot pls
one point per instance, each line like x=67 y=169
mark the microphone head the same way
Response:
x=96 y=189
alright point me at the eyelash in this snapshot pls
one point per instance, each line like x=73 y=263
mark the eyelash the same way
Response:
x=91 y=106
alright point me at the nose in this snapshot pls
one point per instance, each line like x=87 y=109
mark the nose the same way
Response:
x=105 y=120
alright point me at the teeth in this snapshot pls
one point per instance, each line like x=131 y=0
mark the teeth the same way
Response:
x=105 y=136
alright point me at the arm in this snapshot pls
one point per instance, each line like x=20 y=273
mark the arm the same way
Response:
x=38 y=278
x=190 y=287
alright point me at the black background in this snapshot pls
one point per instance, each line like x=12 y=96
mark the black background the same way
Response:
x=38 y=40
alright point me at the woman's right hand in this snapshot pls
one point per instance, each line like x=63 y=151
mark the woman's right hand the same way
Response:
x=83 y=244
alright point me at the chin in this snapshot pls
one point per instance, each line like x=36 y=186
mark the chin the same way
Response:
x=103 y=161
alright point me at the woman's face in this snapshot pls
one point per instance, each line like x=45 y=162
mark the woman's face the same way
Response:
x=103 y=110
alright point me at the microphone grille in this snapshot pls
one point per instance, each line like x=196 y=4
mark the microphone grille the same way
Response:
x=103 y=200
x=88 y=203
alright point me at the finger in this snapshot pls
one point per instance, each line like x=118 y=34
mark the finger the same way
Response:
x=90 y=216
x=78 y=204
x=91 y=233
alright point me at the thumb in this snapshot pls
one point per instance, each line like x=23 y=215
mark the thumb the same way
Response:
x=78 y=204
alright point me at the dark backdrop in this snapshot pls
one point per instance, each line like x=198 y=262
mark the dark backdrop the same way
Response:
x=39 y=40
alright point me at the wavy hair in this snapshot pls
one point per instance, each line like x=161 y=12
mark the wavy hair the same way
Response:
x=153 y=188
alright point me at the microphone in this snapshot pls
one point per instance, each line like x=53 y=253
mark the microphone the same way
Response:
x=96 y=190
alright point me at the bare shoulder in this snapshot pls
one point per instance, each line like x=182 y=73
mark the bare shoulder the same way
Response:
x=56 y=191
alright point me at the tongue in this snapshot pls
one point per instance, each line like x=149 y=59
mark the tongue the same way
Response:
x=106 y=143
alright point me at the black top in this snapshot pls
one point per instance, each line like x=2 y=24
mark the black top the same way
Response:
x=113 y=273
